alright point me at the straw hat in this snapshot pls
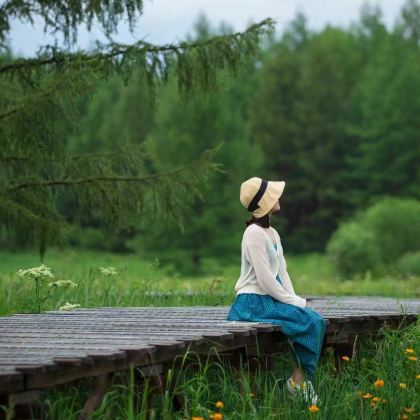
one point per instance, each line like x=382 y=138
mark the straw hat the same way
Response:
x=259 y=196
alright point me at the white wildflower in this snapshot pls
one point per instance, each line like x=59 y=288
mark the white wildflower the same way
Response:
x=63 y=283
x=69 y=306
x=36 y=272
x=108 y=271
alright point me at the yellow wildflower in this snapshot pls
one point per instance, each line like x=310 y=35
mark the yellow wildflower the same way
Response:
x=220 y=404
x=346 y=358
x=403 y=385
x=409 y=350
x=408 y=409
x=404 y=416
x=375 y=399
x=313 y=409
x=412 y=357
x=368 y=395
x=197 y=418
x=379 y=383
x=218 y=416
x=417 y=376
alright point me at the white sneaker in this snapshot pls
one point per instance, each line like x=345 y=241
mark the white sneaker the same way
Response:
x=305 y=389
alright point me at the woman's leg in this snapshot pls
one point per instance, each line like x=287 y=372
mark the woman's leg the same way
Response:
x=304 y=326
x=298 y=374
x=307 y=346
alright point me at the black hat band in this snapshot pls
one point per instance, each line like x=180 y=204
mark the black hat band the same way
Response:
x=253 y=205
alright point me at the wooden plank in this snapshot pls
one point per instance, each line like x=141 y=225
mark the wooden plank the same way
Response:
x=96 y=340
x=10 y=379
x=132 y=323
x=170 y=319
x=11 y=339
x=50 y=341
x=26 y=397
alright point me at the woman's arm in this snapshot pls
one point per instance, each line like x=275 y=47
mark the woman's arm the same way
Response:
x=258 y=257
x=284 y=275
x=285 y=278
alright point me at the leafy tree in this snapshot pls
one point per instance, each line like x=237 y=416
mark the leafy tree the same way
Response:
x=39 y=104
x=214 y=226
x=409 y=21
x=386 y=124
x=336 y=114
x=300 y=117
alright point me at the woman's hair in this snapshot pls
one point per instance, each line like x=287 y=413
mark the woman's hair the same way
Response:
x=263 y=221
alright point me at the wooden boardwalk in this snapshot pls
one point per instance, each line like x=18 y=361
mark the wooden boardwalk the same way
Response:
x=42 y=350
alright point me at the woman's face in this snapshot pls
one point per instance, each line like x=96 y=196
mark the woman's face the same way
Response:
x=276 y=207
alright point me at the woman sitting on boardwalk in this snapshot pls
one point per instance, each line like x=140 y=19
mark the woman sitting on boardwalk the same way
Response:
x=264 y=292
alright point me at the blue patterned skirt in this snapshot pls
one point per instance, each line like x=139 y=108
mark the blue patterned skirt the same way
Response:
x=305 y=327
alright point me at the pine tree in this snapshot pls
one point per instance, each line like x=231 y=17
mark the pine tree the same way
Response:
x=39 y=103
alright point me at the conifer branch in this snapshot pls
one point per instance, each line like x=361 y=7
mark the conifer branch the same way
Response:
x=59 y=57
x=70 y=158
x=65 y=16
x=41 y=104
x=9 y=113
x=105 y=179
x=90 y=180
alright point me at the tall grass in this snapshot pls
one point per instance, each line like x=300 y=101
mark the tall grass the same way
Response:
x=139 y=282
x=202 y=383
x=343 y=393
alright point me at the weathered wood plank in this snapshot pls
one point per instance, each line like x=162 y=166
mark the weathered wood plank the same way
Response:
x=54 y=347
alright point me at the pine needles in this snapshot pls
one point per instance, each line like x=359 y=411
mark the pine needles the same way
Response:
x=40 y=109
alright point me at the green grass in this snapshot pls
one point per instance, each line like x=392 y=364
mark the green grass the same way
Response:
x=264 y=395
x=311 y=275
x=212 y=381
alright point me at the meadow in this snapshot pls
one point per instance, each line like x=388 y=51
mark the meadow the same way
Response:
x=141 y=282
x=380 y=381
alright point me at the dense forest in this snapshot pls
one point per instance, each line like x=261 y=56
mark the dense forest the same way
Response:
x=334 y=113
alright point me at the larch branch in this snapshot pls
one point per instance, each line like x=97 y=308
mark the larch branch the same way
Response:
x=123 y=49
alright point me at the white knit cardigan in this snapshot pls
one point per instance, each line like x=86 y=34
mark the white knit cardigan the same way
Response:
x=260 y=264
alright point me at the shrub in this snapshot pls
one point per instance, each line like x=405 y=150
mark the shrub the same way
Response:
x=395 y=223
x=377 y=236
x=353 y=249
x=409 y=264
x=95 y=239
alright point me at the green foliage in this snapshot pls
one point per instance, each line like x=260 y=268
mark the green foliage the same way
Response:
x=395 y=224
x=353 y=249
x=385 y=125
x=43 y=291
x=144 y=282
x=299 y=116
x=93 y=238
x=377 y=237
x=41 y=102
x=64 y=18
x=180 y=132
x=203 y=382
x=409 y=264
x=336 y=114
x=95 y=138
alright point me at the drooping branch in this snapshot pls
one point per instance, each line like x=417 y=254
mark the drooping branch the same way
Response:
x=195 y=64
x=107 y=179
x=118 y=200
x=59 y=57
x=65 y=17
x=74 y=157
